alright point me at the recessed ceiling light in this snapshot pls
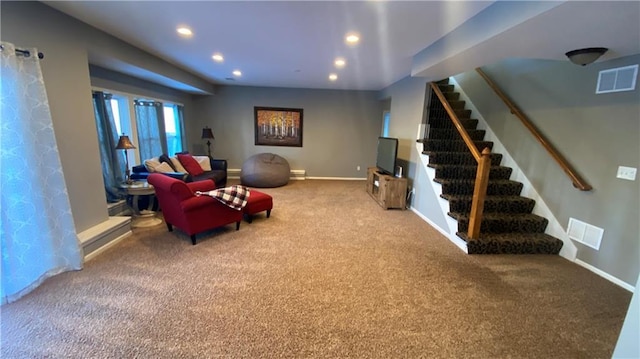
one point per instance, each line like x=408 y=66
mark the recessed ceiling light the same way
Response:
x=217 y=57
x=237 y=73
x=184 y=31
x=352 y=39
x=340 y=62
x=333 y=77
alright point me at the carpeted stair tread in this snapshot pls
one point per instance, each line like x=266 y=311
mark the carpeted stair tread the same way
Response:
x=456 y=104
x=504 y=223
x=461 y=158
x=453 y=145
x=453 y=134
x=469 y=172
x=501 y=204
x=462 y=113
x=510 y=243
x=451 y=96
x=466 y=187
x=443 y=121
x=445 y=87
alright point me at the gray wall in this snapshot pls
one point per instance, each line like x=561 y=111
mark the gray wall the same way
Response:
x=407 y=98
x=107 y=79
x=595 y=133
x=340 y=128
x=68 y=45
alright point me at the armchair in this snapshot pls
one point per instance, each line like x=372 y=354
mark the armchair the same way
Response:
x=190 y=213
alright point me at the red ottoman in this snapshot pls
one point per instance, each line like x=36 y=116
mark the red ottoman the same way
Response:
x=257 y=202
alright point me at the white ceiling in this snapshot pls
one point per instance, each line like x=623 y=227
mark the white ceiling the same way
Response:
x=294 y=43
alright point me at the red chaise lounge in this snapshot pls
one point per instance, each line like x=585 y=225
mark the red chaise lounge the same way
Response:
x=190 y=213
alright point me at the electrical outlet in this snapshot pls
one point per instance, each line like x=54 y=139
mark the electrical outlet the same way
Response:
x=627 y=173
x=358 y=168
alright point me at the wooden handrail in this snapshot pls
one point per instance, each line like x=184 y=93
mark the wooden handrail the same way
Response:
x=456 y=122
x=482 y=173
x=578 y=182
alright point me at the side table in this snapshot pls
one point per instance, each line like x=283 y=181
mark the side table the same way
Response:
x=144 y=218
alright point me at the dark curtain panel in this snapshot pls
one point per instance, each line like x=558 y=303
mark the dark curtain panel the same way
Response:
x=113 y=163
x=152 y=141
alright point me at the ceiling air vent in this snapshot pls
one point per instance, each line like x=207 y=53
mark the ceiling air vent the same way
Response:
x=618 y=79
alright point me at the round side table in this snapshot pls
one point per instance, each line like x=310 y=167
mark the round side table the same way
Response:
x=144 y=218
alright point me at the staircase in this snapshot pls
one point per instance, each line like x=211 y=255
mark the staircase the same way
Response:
x=508 y=226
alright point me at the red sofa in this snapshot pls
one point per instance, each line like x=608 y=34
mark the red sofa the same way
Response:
x=190 y=213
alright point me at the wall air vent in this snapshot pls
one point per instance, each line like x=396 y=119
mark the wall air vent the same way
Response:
x=617 y=80
x=585 y=233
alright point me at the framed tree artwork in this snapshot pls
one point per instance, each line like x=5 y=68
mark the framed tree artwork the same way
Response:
x=276 y=126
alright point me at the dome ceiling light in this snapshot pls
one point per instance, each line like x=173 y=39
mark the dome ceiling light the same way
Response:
x=586 y=56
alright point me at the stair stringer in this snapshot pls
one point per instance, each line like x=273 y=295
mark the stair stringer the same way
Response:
x=554 y=228
x=450 y=232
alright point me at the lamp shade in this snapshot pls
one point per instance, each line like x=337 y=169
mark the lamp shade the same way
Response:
x=207 y=133
x=586 y=56
x=124 y=143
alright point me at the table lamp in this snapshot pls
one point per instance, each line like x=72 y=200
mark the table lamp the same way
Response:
x=125 y=144
x=208 y=134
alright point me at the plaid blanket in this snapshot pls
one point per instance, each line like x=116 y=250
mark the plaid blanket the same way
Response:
x=235 y=197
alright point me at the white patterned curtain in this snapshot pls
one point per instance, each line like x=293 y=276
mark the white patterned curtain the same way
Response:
x=37 y=233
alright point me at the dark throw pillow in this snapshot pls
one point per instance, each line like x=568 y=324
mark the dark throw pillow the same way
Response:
x=190 y=164
x=165 y=158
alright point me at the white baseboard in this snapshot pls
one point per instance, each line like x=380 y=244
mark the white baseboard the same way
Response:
x=338 y=178
x=606 y=275
x=459 y=242
x=296 y=175
x=103 y=248
x=97 y=238
x=119 y=208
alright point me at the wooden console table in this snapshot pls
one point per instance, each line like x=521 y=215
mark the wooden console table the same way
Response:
x=388 y=191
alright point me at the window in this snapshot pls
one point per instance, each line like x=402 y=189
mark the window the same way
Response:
x=152 y=132
x=120 y=110
x=386 y=119
x=173 y=128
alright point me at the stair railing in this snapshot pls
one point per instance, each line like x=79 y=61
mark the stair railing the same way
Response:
x=482 y=174
x=578 y=182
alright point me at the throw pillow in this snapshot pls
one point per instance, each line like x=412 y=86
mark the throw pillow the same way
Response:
x=204 y=162
x=165 y=159
x=151 y=164
x=190 y=164
x=178 y=165
x=164 y=168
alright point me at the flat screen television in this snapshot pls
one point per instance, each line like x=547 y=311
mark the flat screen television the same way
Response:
x=386 y=155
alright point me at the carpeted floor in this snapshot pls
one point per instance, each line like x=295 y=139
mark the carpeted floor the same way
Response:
x=330 y=275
